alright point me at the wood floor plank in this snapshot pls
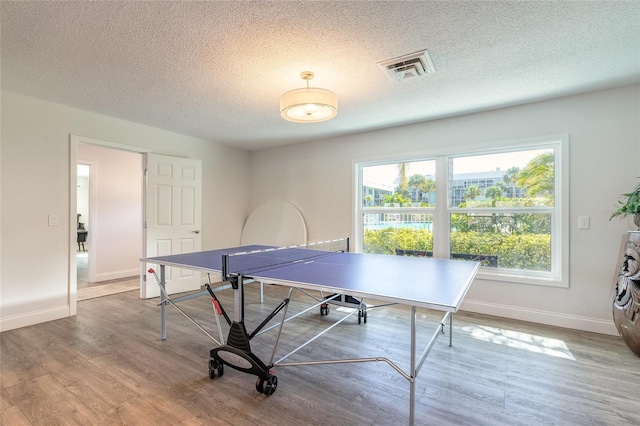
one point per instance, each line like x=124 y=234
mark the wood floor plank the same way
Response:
x=44 y=401
x=100 y=394
x=160 y=410
x=12 y=416
x=5 y=399
x=16 y=364
x=77 y=335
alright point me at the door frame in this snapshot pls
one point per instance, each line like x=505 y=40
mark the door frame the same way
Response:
x=74 y=140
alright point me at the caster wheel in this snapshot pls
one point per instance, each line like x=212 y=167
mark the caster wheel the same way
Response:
x=324 y=309
x=359 y=317
x=267 y=385
x=365 y=316
x=271 y=383
x=216 y=368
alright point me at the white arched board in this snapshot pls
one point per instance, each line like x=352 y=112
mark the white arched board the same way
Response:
x=275 y=223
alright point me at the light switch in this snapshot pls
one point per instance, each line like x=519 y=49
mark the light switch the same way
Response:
x=584 y=222
x=54 y=220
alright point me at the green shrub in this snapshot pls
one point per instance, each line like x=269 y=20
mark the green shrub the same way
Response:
x=514 y=251
x=385 y=241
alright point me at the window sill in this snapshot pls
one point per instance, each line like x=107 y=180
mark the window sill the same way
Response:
x=489 y=274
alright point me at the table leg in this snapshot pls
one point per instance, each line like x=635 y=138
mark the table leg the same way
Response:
x=238 y=300
x=163 y=306
x=412 y=382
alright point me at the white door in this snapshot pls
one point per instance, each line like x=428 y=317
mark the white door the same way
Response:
x=173 y=201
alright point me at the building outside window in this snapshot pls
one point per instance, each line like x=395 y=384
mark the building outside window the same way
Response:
x=504 y=207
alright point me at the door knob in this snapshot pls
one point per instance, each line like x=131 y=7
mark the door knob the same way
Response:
x=197 y=231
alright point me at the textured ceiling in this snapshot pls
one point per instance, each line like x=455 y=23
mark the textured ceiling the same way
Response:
x=216 y=70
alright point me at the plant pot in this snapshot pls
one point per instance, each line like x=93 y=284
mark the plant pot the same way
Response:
x=627 y=329
x=626 y=303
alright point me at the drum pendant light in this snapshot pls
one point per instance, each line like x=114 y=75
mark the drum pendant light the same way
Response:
x=308 y=105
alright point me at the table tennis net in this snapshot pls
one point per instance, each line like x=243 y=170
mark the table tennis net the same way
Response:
x=248 y=263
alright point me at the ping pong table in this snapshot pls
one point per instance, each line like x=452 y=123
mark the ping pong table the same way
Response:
x=431 y=283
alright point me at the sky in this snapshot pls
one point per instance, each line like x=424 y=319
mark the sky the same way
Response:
x=388 y=173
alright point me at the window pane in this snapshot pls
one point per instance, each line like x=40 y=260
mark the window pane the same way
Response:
x=511 y=241
x=509 y=179
x=399 y=185
x=386 y=232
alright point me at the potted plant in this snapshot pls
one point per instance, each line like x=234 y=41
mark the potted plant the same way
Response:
x=630 y=206
x=626 y=303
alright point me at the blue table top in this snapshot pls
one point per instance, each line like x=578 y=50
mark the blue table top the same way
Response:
x=426 y=282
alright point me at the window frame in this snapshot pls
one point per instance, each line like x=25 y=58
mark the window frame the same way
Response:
x=559 y=274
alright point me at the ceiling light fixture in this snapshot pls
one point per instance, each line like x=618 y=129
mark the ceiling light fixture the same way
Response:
x=308 y=105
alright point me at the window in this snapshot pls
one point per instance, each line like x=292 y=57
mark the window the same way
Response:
x=504 y=207
x=402 y=217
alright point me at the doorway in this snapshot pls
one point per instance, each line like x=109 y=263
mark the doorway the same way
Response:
x=82 y=254
x=109 y=220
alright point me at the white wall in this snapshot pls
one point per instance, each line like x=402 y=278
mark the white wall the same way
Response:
x=35 y=181
x=604 y=134
x=115 y=234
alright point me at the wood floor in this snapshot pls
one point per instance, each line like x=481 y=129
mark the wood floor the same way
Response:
x=89 y=290
x=107 y=366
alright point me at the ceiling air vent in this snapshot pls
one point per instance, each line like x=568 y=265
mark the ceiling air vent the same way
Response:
x=415 y=64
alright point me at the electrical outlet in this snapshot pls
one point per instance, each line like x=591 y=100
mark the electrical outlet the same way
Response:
x=584 y=222
x=54 y=220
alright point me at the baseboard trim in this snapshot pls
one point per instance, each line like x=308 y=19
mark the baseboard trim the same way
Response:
x=541 y=317
x=117 y=275
x=32 y=318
